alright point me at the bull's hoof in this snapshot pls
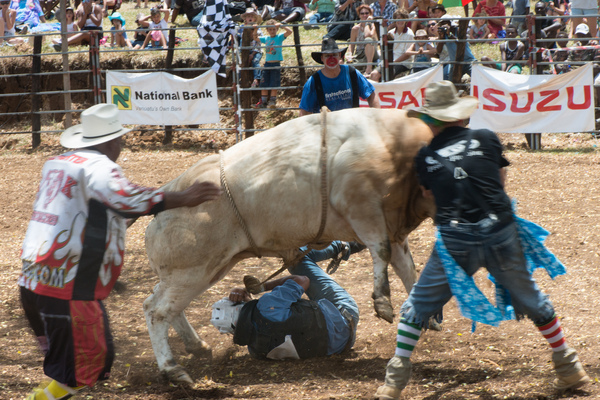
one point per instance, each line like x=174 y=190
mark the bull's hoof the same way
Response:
x=200 y=350
x=178 y=374
x=384 y=310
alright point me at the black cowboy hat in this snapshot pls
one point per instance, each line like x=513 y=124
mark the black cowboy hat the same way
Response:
x=328 y=46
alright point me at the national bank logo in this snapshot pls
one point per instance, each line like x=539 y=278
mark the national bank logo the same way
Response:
x=121 y=97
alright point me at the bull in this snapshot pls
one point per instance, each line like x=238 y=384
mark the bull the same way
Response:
x=275 y=185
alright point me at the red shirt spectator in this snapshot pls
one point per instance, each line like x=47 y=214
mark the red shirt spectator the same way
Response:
x=493 y=8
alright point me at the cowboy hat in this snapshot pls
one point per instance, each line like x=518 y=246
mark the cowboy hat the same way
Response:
x=99 y=124
x=442 y=103
x=252 y=11
x=328 y=46
x=117 y=15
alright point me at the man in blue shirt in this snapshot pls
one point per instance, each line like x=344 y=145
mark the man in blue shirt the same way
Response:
x=282 y=325
x=335 y=86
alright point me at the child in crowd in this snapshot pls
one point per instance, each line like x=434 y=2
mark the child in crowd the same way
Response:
x=8 y=18
x=271 y=77
x=422 y=51
x=479 y=29
x=118 y=39
x=559 y=55
x=139 y=36
x=510 y=50
x=324 y=12
x=251 y=20
x=402 y=36
x=158 y=27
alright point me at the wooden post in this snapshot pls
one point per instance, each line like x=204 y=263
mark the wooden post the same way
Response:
x=65 y=64
x=457 y=74
x=299 y=54
x=168 y=139
x=36 y=68
x=246 y=77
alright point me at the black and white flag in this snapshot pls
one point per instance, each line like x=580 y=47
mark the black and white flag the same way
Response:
x=215 y=30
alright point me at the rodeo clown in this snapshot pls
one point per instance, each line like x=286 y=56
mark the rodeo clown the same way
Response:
x=74 y=248
x=464 y=170
x=281 y=325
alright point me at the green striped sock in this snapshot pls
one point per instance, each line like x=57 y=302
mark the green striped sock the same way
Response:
x=408 y=336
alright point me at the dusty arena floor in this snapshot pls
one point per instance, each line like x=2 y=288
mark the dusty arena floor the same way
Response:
x=558 y=187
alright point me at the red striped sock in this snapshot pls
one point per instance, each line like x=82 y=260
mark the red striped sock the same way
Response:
x=554 y=334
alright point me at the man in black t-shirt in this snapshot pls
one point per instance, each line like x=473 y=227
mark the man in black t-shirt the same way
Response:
x=464 y=170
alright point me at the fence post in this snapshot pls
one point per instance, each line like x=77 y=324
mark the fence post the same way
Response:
x=299 y=54
x=246 y=76
x=457 y=71
x=534 y=140
x=36 y=68
x=95 y=67
x=168 y=139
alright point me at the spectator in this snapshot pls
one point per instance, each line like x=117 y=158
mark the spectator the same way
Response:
x=192 y=8
x=114 y=5
x=251 y=21
x=29 y=15
x=479 y=29
x=118 y=39
x=432 y=30
x=139 y=36
x=510 y=50
x=520 y=9
x=72 y=27
x=158 y=28
x=88 y=212
x=560 y=55
x=324 y=10
x=402 y=37
x=88 y=18
x=578 y=57
x=581 y=9
x=271 y=75
x=139 y=4
x=422 y=51
x=383 y=9
x=363 y=41
x=8 y=18
x=345 y=11
x=548 y=28
x=333 y=86
x=421 y=7
x=281 y=325
x=437 y=11
x=288 y=11
x=447 y=31
x=493 y=8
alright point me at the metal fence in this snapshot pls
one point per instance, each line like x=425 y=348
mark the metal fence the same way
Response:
x=32 y=101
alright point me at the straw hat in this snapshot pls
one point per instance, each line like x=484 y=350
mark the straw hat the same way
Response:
x=442 y=103
x=328 y=46
x=252 y=11
x=99 y=124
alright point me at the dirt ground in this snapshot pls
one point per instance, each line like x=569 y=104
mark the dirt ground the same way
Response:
x=557 y=187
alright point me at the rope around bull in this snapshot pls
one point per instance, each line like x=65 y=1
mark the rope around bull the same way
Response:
x=253 y=284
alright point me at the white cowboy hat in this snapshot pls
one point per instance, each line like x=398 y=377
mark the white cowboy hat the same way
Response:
x=99 y=124
x=252 y=11
x=442 y=103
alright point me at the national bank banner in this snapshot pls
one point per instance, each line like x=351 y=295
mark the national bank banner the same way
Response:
x=159 y=98
x=533 y=103
x=407 y=92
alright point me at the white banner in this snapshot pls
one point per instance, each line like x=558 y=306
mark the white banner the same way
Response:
x=406 y=92
x=159 y=98
x=533 y=103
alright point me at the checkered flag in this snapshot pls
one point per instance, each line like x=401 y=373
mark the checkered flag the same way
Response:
x=215 y=29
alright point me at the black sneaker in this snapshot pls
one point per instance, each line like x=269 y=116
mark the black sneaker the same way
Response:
x=57 y=47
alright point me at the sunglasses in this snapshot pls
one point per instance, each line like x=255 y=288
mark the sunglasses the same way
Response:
x=365 y=13
x=432 y=24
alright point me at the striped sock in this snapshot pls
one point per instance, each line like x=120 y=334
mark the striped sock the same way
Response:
x=408 y=336
x=554 y=334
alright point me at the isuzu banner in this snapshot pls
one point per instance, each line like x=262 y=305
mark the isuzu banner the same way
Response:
x=533 y=103
x=159 y=98
x=407 y=92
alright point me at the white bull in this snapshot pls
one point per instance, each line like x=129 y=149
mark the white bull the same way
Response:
x=275 y=180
